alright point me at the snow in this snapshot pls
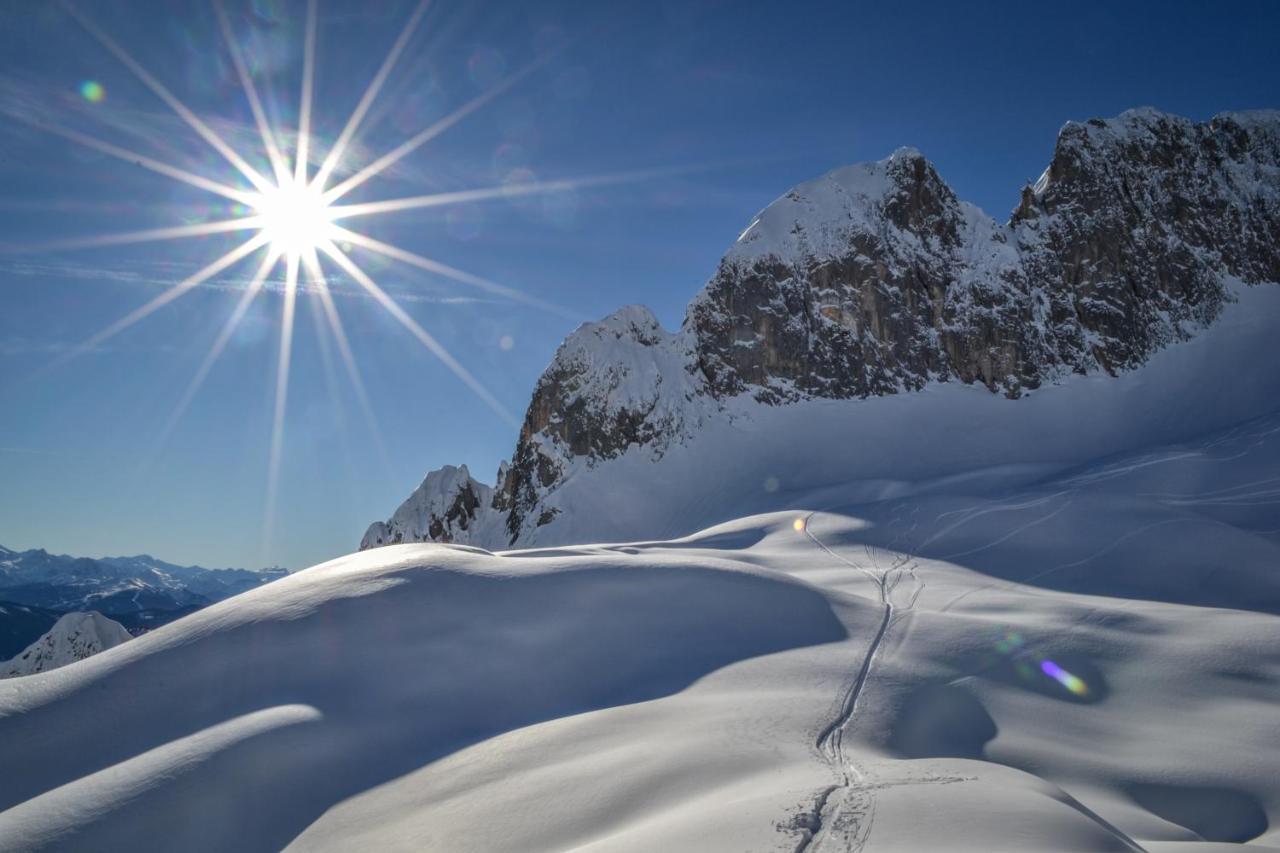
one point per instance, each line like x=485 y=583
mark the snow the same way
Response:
x=74 y=637
x=816 y=217
x=1017 y=657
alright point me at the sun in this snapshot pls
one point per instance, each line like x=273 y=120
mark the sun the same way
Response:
x=294 y=218
x=295 y=215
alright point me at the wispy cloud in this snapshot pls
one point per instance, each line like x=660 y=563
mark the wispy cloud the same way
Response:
x=163 y=274
x=19 y=345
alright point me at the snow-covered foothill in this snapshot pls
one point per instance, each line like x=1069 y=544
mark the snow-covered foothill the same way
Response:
x=73 y=637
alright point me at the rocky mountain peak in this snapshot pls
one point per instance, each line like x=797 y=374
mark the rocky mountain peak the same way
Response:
x=874 y=279
x=442 y=509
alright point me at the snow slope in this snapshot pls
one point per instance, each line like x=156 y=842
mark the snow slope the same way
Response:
x=75 y=636
x=1017 y=657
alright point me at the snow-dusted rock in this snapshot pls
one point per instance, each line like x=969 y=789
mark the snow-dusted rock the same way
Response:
x=442 y=509
x=74 y=637
x=875 y=279
x=622 y=382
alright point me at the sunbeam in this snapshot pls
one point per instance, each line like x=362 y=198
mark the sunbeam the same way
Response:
x=424 y=337
x=501 y=191
x=304 y=111
x=194 y=121
x=394 y=252
x=315 y=276
x=224 y=338
x=142 y=160
x=174 y=292
x=281 y=399
x=375 y=86
x=414 y=143
x=278 y=164
x=150 y=235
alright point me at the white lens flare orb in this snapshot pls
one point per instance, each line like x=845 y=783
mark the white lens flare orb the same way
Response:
x=295 y=218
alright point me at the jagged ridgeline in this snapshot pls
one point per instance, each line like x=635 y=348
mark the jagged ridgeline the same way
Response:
x=875 y=279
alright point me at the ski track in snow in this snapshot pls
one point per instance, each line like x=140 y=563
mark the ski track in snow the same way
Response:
x=1178 y=691
x=847 y=821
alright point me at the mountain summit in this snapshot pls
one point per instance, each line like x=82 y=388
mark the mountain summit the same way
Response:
x=876 y=280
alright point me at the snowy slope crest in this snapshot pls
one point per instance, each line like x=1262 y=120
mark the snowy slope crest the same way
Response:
x=74 y=637
x=269 y=710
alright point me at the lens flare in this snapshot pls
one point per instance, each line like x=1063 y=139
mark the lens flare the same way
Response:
x=1072 y=682
x=92 y=91
x=1032 y=667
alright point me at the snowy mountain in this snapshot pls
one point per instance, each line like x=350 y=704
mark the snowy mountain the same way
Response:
x=117 y=585
x=36 y=588
x=74 y=637
x=875 y=280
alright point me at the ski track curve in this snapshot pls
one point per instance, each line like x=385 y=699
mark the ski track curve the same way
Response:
x=842 y=808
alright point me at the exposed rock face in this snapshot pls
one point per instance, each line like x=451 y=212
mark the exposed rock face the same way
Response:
x=1137 y=219
x=875 y=279
x=442 y=509
x=621 y=382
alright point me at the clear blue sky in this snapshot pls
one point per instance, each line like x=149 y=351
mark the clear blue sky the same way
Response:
x=757 y=96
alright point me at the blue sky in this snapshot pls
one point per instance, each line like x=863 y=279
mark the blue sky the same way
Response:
x=739 y=100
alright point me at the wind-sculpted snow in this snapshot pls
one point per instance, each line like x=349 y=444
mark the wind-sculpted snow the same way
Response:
x=875 y=279
x=1016 y=657
x=239 y=726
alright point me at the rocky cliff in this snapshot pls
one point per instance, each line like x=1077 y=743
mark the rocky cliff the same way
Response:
x=875 y=279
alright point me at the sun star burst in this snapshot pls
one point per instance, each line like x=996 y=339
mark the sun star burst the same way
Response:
x=293 y=218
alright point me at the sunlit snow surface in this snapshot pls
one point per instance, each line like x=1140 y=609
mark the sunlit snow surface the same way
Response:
x=1066 y=637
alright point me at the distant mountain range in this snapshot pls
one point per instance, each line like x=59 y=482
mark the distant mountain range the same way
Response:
x=141 y=592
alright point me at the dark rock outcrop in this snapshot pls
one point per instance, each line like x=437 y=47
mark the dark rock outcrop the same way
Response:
x=875 y=279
